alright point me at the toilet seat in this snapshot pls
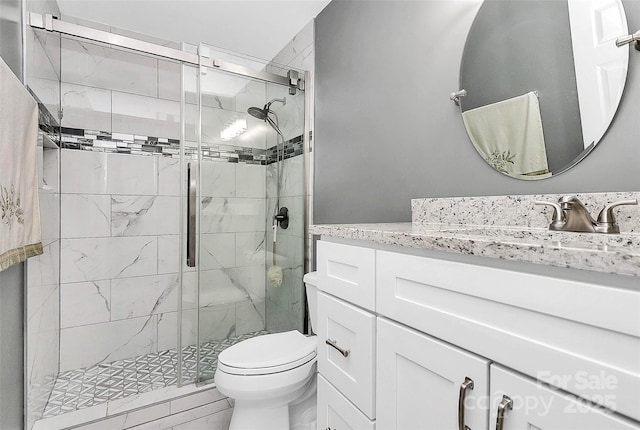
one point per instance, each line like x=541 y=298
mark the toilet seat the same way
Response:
x=268 y=354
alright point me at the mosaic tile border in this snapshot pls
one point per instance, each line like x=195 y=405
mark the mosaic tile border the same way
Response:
x=90 y=386
x=125 y=143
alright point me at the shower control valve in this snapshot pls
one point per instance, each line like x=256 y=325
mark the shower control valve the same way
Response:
x=283 y=217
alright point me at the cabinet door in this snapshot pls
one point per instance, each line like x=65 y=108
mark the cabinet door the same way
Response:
x=419 y=382
x=335 y=412
x=535 y=406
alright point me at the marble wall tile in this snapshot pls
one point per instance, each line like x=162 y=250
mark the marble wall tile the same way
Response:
x=103 y=343
x=43 y=312
x=190 y=287
x=85 y=215
x=86 y=107
x=256 y=135
x=250 y=248
x=214 y=120
x=85 y=303
x=50 y=216
x=288 y=296
x=51 y=170
x=101 y=66
x=253 y=93
x=44 y=269
x=146 y=116
x=250 y=316
x=217 y=251
x=169 y=80
x=291 y=115
x=279 y=319
x=218 y=421
x=144 y=215
x=43 y=56
x=251 y=180
x=296 y=216
x=168 y=254
x=143 y=295
x=249 y=278
x=83 y=172
x=218 y=179
x=48 y=92
x=293 y=50
x=217 y=322
x=89 y=259
x=190 y=416
x=289 y=251
x=168 y=329
x=130 y=419
x=131 y=174
x=168 y=176
x=225 y=286
x=193 y=401
x=232 y=215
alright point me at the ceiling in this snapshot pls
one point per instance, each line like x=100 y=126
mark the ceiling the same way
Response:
x=258 y=28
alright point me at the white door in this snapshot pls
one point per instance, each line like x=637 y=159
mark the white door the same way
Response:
x=535 y=406
x=601 y=67
x=419 y=381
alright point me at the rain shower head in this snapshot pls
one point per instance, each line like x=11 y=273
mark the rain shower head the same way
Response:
x=259 y=113
x=263 y=113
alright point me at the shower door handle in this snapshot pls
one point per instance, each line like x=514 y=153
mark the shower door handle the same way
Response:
x=191 y=216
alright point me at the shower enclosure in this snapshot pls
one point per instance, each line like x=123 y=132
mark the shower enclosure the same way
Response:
x=167 y=192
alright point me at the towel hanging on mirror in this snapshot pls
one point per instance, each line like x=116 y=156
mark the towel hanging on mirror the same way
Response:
x=509 y=136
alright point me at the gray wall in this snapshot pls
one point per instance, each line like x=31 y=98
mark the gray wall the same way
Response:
x=386 y=131
x=12 y=279
x=497 y=66
x=11 y=348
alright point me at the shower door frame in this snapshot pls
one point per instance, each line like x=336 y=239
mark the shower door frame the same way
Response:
x=199 y=59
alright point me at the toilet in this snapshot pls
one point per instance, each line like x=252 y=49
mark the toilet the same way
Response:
x=272 y=378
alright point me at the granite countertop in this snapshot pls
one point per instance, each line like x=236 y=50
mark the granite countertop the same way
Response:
x=609 y=253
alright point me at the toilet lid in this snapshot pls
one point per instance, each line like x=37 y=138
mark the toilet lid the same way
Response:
x=270 y=353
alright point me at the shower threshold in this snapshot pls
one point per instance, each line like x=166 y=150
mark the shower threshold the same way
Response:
x=82 y=388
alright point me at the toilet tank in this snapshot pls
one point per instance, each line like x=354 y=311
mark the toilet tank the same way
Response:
x=311 y=284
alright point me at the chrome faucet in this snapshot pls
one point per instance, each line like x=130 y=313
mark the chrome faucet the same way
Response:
x=571 y=215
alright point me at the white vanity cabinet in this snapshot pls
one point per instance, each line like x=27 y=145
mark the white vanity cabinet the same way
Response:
x=523 y=335
x=422 y=380
x=524 y=403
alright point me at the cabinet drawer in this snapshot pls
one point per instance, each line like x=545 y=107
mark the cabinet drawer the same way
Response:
x=335 y=412
x=534 y=324
x=347 y=272
x=353 y=330
x=423 y=380
x=535 y=406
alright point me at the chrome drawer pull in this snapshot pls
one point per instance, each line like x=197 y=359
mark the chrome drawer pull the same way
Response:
x=506 y=403
x=332 y=343
x=466 y=385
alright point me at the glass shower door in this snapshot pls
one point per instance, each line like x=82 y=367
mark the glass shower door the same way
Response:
x=236 y=198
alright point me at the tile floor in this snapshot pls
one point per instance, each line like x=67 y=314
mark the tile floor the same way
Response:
x=82 y=388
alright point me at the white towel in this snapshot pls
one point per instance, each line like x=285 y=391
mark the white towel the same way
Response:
x=508 y=134
x=19 y=208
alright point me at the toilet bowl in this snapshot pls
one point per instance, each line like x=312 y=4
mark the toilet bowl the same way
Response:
x=272 y=378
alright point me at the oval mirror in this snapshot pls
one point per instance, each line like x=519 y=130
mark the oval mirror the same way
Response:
x=543 y=80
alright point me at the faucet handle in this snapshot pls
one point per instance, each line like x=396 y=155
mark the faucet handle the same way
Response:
x=606 y=218
x=558 y=217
